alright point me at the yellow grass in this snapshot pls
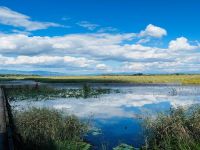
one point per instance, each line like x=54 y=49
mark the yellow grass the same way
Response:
x=179 y=79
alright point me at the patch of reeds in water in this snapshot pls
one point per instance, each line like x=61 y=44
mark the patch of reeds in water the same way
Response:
x=47 y=129
x=178 y=130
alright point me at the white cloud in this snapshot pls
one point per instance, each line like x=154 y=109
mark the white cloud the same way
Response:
x=21 y=32
x=54 y=61
x=102 y=67
x=88 y=25
x=135 y=67
x=13 y=18
x=105 y=52
x=80 y=62
x=87 y=44
x=115 y=105
x=107 y=29
x=181 y=44
x=141 y=41
x=94 y=51
x=153 y=31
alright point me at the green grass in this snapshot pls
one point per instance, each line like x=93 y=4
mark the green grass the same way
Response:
x=48 y=129
x=179 y=130
x=140 y=79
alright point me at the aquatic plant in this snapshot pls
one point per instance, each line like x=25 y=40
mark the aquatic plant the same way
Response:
x=44 y=93
x=178 y=130
x=123 y=147
x=47 y=129
x=86 y=90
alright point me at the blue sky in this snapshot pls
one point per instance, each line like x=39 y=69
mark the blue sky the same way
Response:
x=100 y=36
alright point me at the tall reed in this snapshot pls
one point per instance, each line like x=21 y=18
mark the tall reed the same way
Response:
x=48 y=129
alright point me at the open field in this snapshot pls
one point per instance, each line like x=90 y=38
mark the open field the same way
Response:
x=143 y=79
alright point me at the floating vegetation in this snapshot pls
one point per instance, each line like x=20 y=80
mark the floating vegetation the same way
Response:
x=123 y=147
x=45 y=93
x=173 y=92
x=95 y=131
x=47 y=129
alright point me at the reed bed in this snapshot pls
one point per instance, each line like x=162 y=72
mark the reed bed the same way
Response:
x=178 y=130
x=41 y=129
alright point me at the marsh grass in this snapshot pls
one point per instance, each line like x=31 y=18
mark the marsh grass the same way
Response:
x=136 y=79
x=47 y=129
x=179 y=130
x=44 y=93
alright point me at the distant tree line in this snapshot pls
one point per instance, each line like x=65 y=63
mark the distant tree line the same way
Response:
x=17 y=75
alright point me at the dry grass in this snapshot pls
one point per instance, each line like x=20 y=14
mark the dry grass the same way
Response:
x=182 y=79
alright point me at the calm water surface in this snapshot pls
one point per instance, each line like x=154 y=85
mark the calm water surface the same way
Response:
x=117 y=117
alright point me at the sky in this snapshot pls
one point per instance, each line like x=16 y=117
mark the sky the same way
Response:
x=100 y=36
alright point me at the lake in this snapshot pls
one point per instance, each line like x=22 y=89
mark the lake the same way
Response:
x=117 y=117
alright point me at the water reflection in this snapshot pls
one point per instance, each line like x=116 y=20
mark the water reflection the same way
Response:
x=113 y=105
x=118 y=115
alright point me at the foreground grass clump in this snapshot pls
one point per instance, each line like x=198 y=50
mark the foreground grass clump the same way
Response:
x=44 y=93
x=179 y=130
x=47 y=129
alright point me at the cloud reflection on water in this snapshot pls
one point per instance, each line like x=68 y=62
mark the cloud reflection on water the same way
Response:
x=135 y=101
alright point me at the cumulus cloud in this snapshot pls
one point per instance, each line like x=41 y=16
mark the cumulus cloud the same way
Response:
x=16 y=19
x=54 y=61
x=85 y=44
x=128 y=52
x=153 y=31
x=98 y=46
x=104 y=52
x=181 y=44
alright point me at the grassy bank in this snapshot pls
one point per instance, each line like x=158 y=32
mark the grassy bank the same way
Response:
x=140 y=79
x=47 y=129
